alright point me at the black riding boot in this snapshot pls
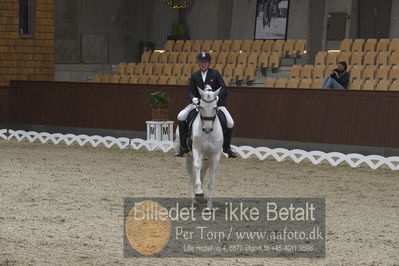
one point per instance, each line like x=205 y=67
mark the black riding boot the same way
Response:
x=226 y=143
x=183 y=139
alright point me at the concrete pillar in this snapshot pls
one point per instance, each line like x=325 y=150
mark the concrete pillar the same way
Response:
x=225 y=19
x=202 y=20
x=354 y=21
x=243 y=20
x=298 y=19
x=394 y=29
x=315 y=36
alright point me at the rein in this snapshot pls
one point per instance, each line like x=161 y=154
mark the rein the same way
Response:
x=209 y=118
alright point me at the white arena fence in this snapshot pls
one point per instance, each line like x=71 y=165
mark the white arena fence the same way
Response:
x=316 y=157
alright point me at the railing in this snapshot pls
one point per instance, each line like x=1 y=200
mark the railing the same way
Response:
x=363 y=118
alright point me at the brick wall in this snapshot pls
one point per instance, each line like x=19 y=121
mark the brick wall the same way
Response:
x=26 y=58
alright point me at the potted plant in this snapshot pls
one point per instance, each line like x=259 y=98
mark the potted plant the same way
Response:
x=159 y=103
x=179 y=30
x=179 y=27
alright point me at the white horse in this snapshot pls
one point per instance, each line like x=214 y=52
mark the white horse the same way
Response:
x=207 y=142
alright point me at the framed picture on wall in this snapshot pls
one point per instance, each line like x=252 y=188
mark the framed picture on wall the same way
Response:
x=271 y=19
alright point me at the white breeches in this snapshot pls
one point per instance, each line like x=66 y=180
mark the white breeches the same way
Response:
x=184 y=113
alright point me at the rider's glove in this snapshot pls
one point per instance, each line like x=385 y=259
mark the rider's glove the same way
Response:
x=195 y=100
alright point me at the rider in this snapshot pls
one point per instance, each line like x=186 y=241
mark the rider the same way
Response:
x=199 y=78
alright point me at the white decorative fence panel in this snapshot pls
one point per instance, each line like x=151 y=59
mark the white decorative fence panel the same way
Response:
x=315 y=157
x=3 y=133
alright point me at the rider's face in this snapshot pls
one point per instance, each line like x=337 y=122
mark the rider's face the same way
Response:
x=203 y=65
x=341 y=67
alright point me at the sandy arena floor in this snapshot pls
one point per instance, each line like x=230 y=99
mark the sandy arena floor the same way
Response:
x=63 y=205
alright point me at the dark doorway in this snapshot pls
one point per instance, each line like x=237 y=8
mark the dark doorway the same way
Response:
x=374 y=18
x=336 y=26
x=26 y=17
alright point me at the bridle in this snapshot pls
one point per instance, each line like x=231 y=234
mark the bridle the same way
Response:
x=208 y=118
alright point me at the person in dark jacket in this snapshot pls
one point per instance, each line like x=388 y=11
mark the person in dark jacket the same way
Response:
x=338 y=79
x=211 y=77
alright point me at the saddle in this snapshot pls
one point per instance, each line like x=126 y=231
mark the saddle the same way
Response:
x=190 y=119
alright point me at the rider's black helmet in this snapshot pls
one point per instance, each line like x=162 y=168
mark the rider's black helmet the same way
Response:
x=204 y=56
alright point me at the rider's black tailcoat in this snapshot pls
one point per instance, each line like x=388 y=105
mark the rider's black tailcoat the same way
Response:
x=214 y=79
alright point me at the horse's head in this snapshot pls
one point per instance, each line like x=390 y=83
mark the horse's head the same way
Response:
x=208 y=107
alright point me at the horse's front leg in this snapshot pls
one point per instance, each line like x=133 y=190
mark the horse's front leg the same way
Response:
x=213 y=167
x=191 y=176
x=197 y=157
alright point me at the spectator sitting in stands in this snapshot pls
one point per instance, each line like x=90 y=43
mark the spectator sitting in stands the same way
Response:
x=338 y=79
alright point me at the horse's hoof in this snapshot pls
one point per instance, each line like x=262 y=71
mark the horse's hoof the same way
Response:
x=199 y=198
x=198 y=190
x=207 y=210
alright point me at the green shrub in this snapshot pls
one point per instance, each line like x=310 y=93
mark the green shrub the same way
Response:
x=158 y=98
x=178 y=28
